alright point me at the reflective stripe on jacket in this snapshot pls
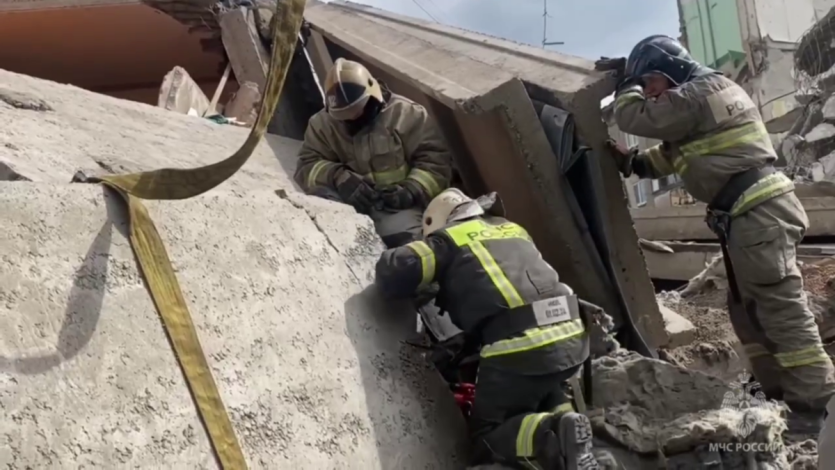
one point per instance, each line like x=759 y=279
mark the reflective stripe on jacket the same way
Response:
x=711 y=130
x=484 y=267
x=401 y=143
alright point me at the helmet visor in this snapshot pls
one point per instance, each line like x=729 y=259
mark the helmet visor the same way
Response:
x=346 y=101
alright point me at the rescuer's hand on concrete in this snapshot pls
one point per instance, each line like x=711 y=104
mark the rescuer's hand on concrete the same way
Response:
x=622 y=156
x=354 y=190
x=399 y=196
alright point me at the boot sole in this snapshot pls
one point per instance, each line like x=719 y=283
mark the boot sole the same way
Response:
x=576 y=442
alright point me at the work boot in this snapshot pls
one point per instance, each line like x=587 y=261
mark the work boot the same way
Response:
x=803 y=425
x=566 y=443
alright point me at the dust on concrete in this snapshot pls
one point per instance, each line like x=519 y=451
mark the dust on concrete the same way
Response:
x=716 y=350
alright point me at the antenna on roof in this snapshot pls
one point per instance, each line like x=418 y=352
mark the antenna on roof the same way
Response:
x=545 y=16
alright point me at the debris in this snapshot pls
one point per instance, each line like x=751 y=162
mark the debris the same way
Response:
x=680 y=330
x=669 y=416
x=653 y=245
x=180 y=93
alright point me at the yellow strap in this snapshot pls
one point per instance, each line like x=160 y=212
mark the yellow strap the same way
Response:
x=169 y=184
x=427 y=261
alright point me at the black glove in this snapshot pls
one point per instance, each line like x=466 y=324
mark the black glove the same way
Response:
x=618 y=65
x=354 y=190
x=400 y=196
x=623 y=157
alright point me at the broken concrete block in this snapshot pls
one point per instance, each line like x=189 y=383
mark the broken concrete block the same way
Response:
x=820 y=132
x=654 y=408
x=103 y=135
x=816 y=172
x=307 y=358
x=680 y=330
x=829 y=109
x=181 y=94
x=243 y=106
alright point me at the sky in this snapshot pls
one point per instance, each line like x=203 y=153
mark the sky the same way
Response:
x=589 y=28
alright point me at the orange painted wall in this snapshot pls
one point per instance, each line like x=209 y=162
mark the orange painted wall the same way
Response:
x=120 y=50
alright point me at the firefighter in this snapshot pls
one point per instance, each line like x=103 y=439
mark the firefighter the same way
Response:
x=714 y=139
x=500 y=292
x=374 y=150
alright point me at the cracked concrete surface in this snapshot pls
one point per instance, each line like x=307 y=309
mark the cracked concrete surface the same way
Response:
x=307 y=358
x=52 y=130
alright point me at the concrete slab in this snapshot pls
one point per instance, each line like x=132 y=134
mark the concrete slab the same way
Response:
x=482 y=89
x=307 y=360
x=689 y=259
x=55 y=130
x=688 y=222
x=680 y=330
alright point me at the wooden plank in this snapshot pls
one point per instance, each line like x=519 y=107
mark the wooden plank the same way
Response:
x=248 y=56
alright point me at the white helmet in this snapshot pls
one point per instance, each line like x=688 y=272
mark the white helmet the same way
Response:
x=450 y=205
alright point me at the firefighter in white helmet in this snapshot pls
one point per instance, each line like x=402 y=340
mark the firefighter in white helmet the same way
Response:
x=375 y=150
x=500 y=292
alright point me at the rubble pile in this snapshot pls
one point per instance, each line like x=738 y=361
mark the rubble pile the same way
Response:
x=809 y=146
x=703 y=301
x=653 y=414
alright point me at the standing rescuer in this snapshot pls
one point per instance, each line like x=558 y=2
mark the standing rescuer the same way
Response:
x=714 y=139
x=501 y=293
x=377 y=151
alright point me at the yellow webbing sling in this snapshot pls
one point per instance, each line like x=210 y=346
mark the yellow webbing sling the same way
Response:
x=169 y=184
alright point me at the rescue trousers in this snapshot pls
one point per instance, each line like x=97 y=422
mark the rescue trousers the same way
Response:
x=773 y=322
x=507 y=412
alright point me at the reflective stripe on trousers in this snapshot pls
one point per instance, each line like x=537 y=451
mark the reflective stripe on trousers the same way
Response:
x=525 y=442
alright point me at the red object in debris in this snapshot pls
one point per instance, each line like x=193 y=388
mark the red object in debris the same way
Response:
x=464 y=396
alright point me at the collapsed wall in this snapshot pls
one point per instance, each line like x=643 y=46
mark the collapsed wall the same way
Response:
x=494 y=100
x=309 y=363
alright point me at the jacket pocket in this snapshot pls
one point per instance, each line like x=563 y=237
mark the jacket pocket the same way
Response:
x=388 y=161
x=761 y=256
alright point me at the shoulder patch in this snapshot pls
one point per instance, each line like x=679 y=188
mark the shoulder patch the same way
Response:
x=729 y=103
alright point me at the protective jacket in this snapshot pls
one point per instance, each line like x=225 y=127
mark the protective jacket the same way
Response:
x=402 y=142
x=710 y=130
x=491 y=276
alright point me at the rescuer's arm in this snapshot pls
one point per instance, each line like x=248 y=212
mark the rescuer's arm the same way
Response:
x=403 y=270
x=430 y=160
x=318 y=163
x=671 y=117
x=652 y=163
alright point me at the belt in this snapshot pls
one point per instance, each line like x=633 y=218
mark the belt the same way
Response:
x=736 y=186
x=544 y=312
x=719 y=217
